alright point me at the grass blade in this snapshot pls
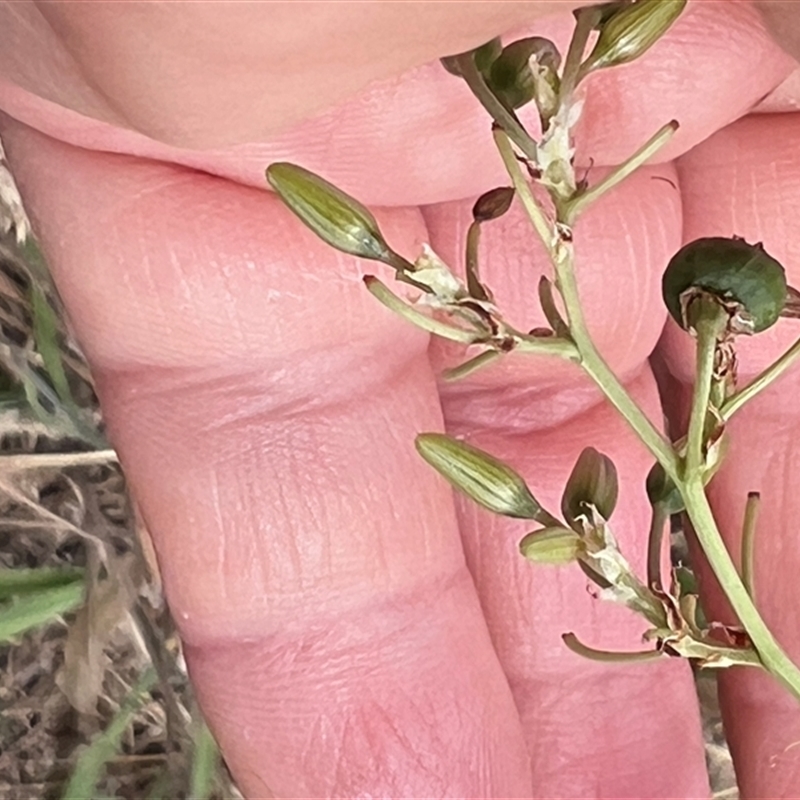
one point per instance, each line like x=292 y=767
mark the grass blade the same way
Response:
x=37 y=609
x=92 y=762
x=45 y=334
x=205 y=762
x=27 y=581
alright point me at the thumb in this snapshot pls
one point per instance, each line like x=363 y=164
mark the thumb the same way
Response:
x=783 y=21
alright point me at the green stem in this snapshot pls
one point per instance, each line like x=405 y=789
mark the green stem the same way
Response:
x=547 y=346
x=535 y=213
x=471 y=366
x=748 y=541
x=708 y=319
x=585 y=21
x=498 y=112
x=761 y=382
x=474 y=286
x=403 y=309
x=772 y=655
x=579 y=203
x=596 y=367
x=591 y=360
x=658 y=521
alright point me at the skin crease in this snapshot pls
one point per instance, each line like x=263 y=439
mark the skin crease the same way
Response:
x=350 y=631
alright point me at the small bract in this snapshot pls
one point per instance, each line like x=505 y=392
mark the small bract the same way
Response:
x=744 y=277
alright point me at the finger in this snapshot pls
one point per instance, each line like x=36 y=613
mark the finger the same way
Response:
x=783 y=23
x=241 y=90
x=408 y=139
x=581 y=720
x=265 y=406
x=745 y=181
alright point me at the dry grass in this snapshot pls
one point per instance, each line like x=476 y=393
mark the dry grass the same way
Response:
x=63 y=504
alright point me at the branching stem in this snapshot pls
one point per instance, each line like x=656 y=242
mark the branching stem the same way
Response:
x=498 y=112
x=705 y=527
x=761 y=382
x=561 y=254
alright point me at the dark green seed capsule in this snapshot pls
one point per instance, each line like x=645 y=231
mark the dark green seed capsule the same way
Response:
x=744 y=277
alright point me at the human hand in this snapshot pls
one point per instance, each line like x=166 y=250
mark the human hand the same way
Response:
x=351 y=632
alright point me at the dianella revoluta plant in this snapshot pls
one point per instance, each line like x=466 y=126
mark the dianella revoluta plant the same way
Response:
x=716 y=289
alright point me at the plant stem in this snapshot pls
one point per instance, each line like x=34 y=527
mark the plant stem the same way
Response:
x=471 y=366
x=658 y=520
x=545 y=346
x=760 y=382
x=585 y=21
x=498 y=112
x=748 y=541
x=596 y=367
x=708 y=319
x=581 y=201
x=770 y=652
x=403 y=309
x=561 y=255
x=474 y=286
x=535 y=213
x=606 y=656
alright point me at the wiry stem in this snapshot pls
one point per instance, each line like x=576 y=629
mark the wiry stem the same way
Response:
x=748 y=542
x=761 y=381
x=705 y=527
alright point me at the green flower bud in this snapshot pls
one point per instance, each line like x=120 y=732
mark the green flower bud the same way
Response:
x=482 y=477
x=592 y=484
x=631 y=31
x=334 y=216
x=552 y=546
x=744 y=277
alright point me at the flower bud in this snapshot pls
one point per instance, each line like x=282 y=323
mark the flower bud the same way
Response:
x=742 y=276
x=527 y=70
x=482 y=477
x=493 y=204
x=661 y=490
x=631 y=31
x=592 y=484
x=552 y=546
x=483 y=57
x=334 y=216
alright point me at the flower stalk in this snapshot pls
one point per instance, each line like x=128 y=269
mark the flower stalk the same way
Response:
x=715 y=288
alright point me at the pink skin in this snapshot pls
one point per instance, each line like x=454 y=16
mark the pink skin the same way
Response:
x=351 y=630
